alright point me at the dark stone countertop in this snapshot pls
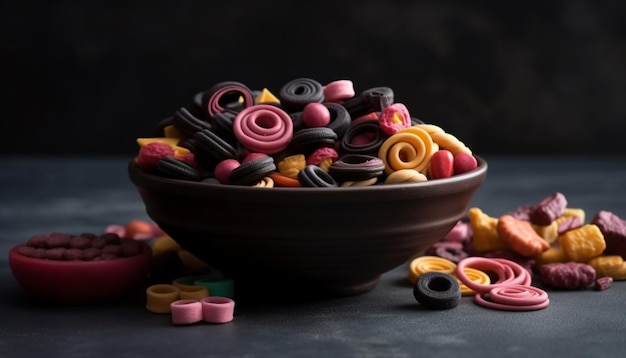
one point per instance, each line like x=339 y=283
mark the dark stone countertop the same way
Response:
x=85 y=195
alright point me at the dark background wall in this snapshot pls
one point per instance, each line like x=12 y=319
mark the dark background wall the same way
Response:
x=527 y=77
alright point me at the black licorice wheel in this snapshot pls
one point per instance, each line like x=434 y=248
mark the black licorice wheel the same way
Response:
x=437 y=290
x=296 y=94
x=177 y=169
x=251 y=172
x=313 y=176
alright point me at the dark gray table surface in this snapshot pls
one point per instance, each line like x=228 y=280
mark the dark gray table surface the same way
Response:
x=85 y=195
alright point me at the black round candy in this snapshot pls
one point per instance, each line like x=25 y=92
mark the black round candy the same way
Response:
x=437 y=290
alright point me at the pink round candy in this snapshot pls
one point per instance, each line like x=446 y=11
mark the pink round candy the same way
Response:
x=315 y=115
x=224 y=168
x=217 y=309
x=338 y=91
x=252 y=156
x=186 y=311
x=441 y=164
x=464 y=162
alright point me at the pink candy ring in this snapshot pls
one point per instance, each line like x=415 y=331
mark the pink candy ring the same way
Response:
x=216 y=309
x=339 y=90
x=508 y=272
x=525 y=295
x=263 y=128
x=217 y=93
x=514 y=298
x=186 y=311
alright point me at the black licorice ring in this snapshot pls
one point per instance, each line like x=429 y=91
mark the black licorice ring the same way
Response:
x=371 y=100
x=437 y=290
x=365 y=127
x=226 y=96
x=308 y=139
x=296 y=94
x=339 y=118
x=210 y=143
x=173 y=168
x=223 y=125
x=187 y=123
x=313 y=176
x=356 y=167
x=251 y=172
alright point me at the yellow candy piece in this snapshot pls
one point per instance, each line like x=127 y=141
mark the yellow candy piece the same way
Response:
x=569 y=212
x=266 y=97
x=163 y=245
x=265 y=182
x=171 y=132
x=551 y=255
x=405 y=176
x=550 y=233
x=609 y=266
x=290 y=166
x=485 y=231
x=476 y=276
x=325 y=164
x=367 y=182
x=583 y=244
x=423 y=264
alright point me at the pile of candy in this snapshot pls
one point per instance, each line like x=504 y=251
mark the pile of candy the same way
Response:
x=83 y=247
x=549 y=239
x=309 y=135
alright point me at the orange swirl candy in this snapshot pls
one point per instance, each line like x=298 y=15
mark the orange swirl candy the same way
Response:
x=409 y=148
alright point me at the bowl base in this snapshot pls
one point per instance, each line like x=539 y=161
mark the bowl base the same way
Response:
x=290 y=291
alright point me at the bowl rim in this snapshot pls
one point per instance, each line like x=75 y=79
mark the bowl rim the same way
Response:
x=144 y=179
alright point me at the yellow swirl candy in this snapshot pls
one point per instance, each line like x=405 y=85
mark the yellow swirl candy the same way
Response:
x=367 y=182
x=476 y=276
x=405 y=176
x=409 y=148
x=444 y=139
x=265 y=182
x=423 y=264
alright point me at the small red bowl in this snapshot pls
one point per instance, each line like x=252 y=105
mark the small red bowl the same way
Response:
x=80 y=282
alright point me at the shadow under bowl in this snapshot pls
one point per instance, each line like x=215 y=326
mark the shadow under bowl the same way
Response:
x=316 y=242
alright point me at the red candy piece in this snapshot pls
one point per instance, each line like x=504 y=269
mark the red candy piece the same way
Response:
x=151 y=153
x=441 y=165
x=464 y=162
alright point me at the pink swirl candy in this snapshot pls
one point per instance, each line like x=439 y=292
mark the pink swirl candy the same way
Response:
x=225 y=89
x=263 y=128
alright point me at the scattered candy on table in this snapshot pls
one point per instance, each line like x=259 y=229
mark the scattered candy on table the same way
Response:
x=548 y=239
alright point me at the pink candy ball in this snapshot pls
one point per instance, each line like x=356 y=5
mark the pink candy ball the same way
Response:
x=464 y=162
x=224 y=168
x=315 y=115
x=252 y=156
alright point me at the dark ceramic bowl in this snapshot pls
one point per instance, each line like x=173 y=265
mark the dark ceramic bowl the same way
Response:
x=80 y=282
x=322 y=242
